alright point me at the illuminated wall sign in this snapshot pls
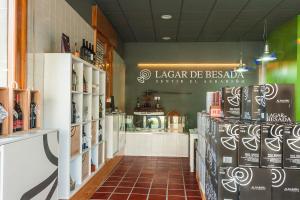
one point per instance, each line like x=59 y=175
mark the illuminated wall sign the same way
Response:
x=174 y=74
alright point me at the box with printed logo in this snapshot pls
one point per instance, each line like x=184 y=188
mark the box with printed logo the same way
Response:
x=250 y=102
x=228 y=183
x=285 y=184
x=254 y=183
x=277 y=102
x=227 y=143
x=249 y=145
x=291 y=146
x=231 y=97
x=271 y=145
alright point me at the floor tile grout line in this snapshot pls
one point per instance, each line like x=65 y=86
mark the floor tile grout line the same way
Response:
x=135 y=182
x=183 y=179
x=118 y=183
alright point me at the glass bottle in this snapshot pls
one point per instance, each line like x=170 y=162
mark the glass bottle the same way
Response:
x=32 y=113
x=74 y=79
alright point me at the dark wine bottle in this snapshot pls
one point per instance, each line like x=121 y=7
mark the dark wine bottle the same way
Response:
x=1 y=123
x=73 y=111
x=32 y=113
x=91 y=53
x=94 y=54
x=85 y=86
x=82 y=49
x=100 y=109
x=18 y=115
x=87 y=51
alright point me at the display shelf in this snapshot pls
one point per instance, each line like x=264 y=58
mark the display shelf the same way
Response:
x=58 y=103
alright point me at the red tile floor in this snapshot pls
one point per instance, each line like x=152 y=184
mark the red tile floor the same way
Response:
x=150 y=178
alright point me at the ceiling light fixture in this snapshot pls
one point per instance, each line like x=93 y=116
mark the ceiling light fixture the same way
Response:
x=266 y=56
x=166 y=17
x=166 y=38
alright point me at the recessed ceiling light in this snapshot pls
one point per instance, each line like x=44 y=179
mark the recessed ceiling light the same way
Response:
x=166 y=16
x=166 y=38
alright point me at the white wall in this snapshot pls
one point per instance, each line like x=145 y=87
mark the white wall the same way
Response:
x=119 y=70
x=47 y=20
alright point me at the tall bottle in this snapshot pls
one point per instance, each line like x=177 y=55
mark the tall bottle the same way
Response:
x=85 y=86
x=87 y=51
x=94 y=54
x=1 y=122
x=82 y=49
x=84 y=139
x=100 y=109
x=32 y=117
x=18 y=115
x=73 y=111
x=74 y=79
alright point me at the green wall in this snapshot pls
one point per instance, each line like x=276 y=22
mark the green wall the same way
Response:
x=201 y=52
x=283 y=41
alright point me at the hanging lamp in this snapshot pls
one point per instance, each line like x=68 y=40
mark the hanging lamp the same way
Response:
x=266 y=56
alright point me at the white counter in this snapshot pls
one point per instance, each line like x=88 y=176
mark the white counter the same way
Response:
x=146 y=143
x=23 y=136
x=29 y=165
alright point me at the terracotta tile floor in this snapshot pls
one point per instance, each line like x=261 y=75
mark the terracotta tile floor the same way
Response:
x=150 y=178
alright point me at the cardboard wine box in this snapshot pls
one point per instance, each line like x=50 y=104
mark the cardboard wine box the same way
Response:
x=291 y=146
x=255 y=183
x=227 y=184
x=227 y=144
x=271 y=145
x=249 y=145
x=250 y=102
x=285 y=184
x=277 y=103
x=231 y=97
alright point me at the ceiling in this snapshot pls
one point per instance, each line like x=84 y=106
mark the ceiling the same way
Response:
x=196 y=20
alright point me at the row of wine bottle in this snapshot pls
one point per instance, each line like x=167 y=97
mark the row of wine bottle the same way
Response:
x=87 y=52
x=18 y=117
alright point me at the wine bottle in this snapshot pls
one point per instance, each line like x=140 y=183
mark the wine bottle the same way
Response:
x=32 y=113
x=94 y=55
x=74 y=79
x=85 y=87
x=82 y=49
x=73 y=111
x=84 y=139
x=100 y=109
x=18 y=115
x=1 y=122
x=91 y=53
x=87 y=51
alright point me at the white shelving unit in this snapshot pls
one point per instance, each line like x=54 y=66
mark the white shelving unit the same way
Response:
x=75 y=162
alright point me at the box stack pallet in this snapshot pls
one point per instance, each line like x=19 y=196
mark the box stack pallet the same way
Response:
x=256 y=154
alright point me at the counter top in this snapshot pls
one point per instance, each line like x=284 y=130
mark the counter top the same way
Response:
x=23 y=136
x=153 y=132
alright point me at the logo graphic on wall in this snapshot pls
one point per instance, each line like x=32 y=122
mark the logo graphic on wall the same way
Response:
x=252 y=142
x=145 y=74
x=294 y=144
x=274 y=143
x=237 y=176
x=278 y=177
x=234 y=100
x=230 y=142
